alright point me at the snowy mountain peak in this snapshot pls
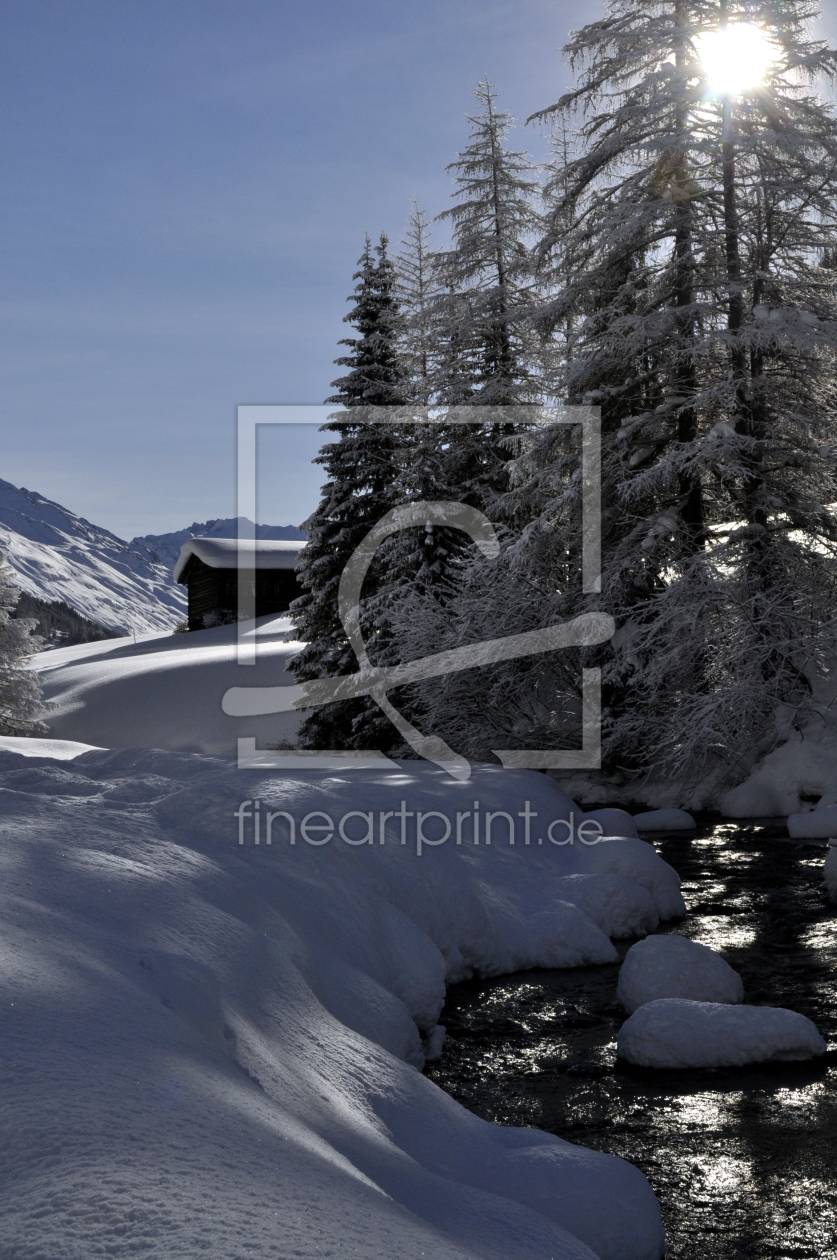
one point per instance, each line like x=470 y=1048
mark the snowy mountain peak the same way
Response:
x=58 y=555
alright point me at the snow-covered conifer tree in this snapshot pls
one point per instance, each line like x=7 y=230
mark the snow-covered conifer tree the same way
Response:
x=363 y=471
x=682 y=262
x=20 y=695
x=686 y=234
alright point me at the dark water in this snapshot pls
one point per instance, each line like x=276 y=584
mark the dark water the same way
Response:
x=743 y=1161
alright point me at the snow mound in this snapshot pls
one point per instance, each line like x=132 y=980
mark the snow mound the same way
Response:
x=816 y=824
x=640 y=862
x=830 y=871
x=165 y=691
x=618 y=905
x=54 y=749
x=664 y=820
x=674 y=967
x=615 y=822
x=228 y=1031
x=677 y=1033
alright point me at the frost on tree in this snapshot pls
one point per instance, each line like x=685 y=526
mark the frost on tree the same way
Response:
x=686 y=244
x=20 y=695
x=685 y=280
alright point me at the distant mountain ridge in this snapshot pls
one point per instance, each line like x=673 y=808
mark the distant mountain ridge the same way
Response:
x=165 y=548
x=124 y=586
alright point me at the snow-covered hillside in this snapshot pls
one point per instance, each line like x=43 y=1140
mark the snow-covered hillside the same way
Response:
x=165 y=690
x=210 y=1048
x=128 y=587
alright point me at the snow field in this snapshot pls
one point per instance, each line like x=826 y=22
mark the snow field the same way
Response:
x=677 y=1033
x=165 y=690
x=674 y=967
x=211 y=1047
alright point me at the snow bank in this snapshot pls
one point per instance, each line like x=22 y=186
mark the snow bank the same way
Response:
x=620 y=907
x=164 y=691
x=55 y=749
x=674 y=967
x=830 y=871
x=805 y=765
x=676 y=1033
x=815 y=824
x=641 y=863
x=225 y=1031
x=664 y=820
x=615 y=822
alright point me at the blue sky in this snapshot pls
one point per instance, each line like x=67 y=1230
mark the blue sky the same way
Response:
x=186 y=188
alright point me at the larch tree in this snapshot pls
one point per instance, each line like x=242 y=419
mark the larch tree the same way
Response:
x=363 y=485
x=686 y=280
x=684 y=251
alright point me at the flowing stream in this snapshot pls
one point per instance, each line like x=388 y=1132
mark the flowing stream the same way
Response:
x=743 y=1160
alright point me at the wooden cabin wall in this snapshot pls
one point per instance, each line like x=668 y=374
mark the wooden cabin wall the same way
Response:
x=216 y=591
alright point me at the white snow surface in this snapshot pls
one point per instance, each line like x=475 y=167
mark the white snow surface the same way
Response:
x=814 y=824
x=58 y=749
x=165 y=691
x=674 y=967
x=224 y=553
x=664 y=820
x=620 y=906
x=678 y=1033
x=57 y=555
x=830 y=871
x=805 y=765
x=165 y=548
x=210 y=1047
x=125 y=586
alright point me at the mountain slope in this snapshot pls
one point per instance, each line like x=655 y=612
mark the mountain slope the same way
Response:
x=123 y=586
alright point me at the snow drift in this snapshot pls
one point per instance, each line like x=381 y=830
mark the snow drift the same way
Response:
x=210 y=1045
x=165 y=690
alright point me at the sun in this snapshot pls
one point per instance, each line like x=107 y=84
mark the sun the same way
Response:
x=736 y=58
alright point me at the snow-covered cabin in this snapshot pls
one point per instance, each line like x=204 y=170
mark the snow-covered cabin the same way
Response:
x=209 y=569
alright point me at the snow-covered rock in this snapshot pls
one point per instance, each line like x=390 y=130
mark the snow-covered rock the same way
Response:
x=225 y=1033
x=815 y=824
x=677 y=1033
x=640 y=862
x=615 y=903
x=674 y=967
x=830 y=870
x=664 y=820
x=614 y=822
x=165 y=691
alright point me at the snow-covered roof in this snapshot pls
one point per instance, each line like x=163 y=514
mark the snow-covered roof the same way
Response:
x=228 y=553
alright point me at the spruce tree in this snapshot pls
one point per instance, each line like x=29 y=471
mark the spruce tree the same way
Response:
x=20 y=694
x=362 y=467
